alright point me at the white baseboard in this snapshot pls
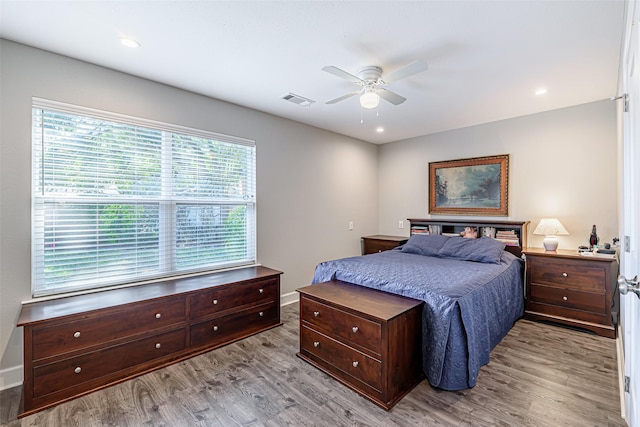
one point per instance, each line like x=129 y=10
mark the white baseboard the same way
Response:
x=11 y=377
x=290 y=298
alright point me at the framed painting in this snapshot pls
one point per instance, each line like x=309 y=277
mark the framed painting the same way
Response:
x=476 y=186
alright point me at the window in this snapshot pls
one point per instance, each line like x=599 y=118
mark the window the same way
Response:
x=118 y=199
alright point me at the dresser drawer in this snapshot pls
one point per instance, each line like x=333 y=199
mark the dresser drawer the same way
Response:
x=225 y=328
x=59 y=338
x=568 y=298
x=338 y=323
x=75 y=371
x=206 y=304
x=345 y=358
x=568 y=274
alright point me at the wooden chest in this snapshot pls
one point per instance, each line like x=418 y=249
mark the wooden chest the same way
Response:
x=368 y=340
x=76 y=345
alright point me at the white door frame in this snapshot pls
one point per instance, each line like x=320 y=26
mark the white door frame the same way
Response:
x=630 y=211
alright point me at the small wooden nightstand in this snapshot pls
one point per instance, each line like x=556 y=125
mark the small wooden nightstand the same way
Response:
x=572 y=289
x=378 y=243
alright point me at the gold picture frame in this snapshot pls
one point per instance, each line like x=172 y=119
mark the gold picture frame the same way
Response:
x=474 y=186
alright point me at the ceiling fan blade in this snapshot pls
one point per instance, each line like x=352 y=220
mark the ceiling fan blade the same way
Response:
x=393 y=98
x=342 y=74
x=408 y=70
x=343 y=97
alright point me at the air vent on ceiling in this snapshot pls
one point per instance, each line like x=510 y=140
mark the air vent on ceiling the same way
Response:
x=297 y=99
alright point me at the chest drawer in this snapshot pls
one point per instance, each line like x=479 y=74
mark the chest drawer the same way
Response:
x=206 y=304
x=568 y=274
x=355 y=363
x=338 y=323
x=94 y=329
x=75 y=371
x=225 y=328
x=569 y=298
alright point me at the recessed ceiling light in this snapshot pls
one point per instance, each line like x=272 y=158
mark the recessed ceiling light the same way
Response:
x=129 y=42
x=541 y=91
x=379 y=129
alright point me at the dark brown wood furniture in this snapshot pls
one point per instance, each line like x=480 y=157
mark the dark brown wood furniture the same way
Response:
x=379 y=243
x=513 y=233
x=79 y=344
x=368 y=340
x=568 y=288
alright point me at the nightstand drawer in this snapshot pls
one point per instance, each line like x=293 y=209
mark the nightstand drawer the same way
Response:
x=335 y=322
x=556 y=272
x=586 y=301
x=375 y=244
x=345 y=358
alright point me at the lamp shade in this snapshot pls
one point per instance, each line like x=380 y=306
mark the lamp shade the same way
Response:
x=369 y=99
x=550 y=228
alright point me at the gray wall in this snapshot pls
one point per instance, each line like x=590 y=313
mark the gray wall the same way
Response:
x=311 y=183
x=563 y=164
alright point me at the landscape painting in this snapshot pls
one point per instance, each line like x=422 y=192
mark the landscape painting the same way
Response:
x=476 y=186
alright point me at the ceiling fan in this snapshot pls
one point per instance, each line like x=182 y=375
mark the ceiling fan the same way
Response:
x=371 y=81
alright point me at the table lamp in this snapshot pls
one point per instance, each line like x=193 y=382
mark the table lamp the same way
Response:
x=550 y=228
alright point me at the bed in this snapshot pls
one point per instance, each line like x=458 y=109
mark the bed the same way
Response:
x=473 y=293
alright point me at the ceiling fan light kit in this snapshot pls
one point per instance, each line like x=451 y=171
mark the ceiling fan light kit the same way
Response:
x=369 y=99
x=371 y=82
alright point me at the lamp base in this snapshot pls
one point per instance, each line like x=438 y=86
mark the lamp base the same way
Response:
x=550 y=243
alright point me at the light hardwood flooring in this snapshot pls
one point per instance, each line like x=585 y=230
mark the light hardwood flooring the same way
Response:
x=539 y=375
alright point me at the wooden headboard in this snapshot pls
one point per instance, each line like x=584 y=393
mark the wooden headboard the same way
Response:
x=512 y=233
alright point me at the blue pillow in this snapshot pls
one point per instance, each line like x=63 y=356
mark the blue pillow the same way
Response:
x=424 y=244
x=484 y=249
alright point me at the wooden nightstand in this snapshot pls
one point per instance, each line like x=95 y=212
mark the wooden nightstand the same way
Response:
x=572 y=289
x=378 y=243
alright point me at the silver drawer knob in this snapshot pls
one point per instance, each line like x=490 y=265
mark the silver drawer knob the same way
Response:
x=77 y=370
x=316 y=313
x=215 y=301
x=316 y=344
x=261 y=313
x=76 y=334
x=158 y=315
x=261 y=291
x=355 y=364
x=158 y=345
x=354 y=329
x=565 y=298
x=565 y=275
x=215 y=329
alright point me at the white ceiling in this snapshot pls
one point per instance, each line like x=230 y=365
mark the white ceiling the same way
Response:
x=486 y=58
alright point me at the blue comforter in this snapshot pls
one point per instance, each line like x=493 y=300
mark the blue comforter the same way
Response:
x=470 y=306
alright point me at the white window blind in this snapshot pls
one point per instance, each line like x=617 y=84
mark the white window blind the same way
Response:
x=118 y=199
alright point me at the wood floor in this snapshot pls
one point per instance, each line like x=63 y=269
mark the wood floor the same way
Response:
x=540 y=375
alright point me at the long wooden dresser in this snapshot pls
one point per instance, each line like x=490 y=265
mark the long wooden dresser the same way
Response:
x=79 y=344
x=367 y=339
